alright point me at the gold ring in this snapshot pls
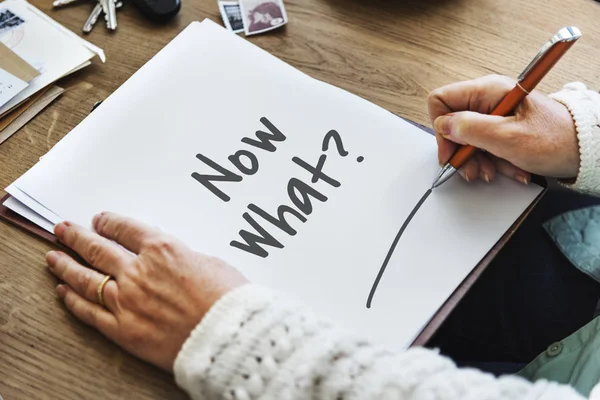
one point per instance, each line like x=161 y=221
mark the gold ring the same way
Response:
x=101 y=290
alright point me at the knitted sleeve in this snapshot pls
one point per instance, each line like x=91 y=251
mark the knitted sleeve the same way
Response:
x=255 y=344
x=584 y=106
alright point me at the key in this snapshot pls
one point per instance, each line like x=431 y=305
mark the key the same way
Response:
x=92 y=19
x=110 y=14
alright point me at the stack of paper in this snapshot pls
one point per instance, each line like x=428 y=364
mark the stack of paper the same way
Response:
x=299 y=184
x=35 y=51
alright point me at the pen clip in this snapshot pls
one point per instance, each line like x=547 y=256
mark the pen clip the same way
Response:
x=566 y=34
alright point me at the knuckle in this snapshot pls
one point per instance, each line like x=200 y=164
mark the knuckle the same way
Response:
x=75 y=306
x=69 y=302
x=504 y=83
x=500 y=80
x=118 y=230
x=62 y=265
x=134 y=274
x=84 y=281
x=92 y=315
x=72 y=305
x=94 y=253
x=461 y=126
x=111 y=295
x=72 y=238
x=129 y=301
x=161 y=244
x=434 y=95
x=494 y=77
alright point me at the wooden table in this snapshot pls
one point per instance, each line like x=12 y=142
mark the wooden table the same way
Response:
x=391 y=52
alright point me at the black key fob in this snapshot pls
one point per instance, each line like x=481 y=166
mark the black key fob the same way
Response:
x=158 y=10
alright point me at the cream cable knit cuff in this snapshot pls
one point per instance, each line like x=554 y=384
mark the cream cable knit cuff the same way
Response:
x=255 y=344
x=215 y=332
x=584 y=106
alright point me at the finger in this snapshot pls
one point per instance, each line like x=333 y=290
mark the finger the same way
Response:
x=480 y=95
x=96 y=250
x=470 y=171
x=498 y=135
x=84 y=281
x=487 y=169
x=507 y=169
x=128 y=232
x=90 y=313
x=445 y=148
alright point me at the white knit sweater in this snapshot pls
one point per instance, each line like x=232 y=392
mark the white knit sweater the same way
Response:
x=256 y=344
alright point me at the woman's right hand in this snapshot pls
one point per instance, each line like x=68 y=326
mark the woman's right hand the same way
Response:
x=539 y=138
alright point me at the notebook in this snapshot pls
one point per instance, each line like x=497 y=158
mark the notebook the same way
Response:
x=300 y=185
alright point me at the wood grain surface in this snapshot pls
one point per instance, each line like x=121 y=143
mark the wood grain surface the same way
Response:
x=390 y=52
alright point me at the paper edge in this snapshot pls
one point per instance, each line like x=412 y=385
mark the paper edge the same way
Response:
x=44 y=101
x=16 y=206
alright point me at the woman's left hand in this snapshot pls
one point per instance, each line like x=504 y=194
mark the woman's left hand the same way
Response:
x=158 y=293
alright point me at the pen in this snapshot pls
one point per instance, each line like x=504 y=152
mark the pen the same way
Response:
x=542 y=63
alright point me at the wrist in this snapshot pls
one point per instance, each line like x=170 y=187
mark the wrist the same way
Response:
x=570 y=147
x=584 y=108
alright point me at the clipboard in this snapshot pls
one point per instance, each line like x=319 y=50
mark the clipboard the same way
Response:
x=434 y=323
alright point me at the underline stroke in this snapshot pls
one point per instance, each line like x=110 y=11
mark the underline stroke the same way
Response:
x=393 y=247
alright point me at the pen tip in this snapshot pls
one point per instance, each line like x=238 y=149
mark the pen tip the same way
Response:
x=445 y=173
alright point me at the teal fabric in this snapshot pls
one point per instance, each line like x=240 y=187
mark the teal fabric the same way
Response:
x=575 y=360
x=577 y=234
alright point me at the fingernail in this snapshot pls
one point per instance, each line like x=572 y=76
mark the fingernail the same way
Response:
x=442 y=125
x=51 y=258
x=523 y=179
x=486 y=177
x=467 y=178
x=61 y=290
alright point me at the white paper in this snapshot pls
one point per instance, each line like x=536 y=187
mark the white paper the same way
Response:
x=32 y=205
x=209 y=90
x=21 y=209
x=10 y=86
x=56 y=50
